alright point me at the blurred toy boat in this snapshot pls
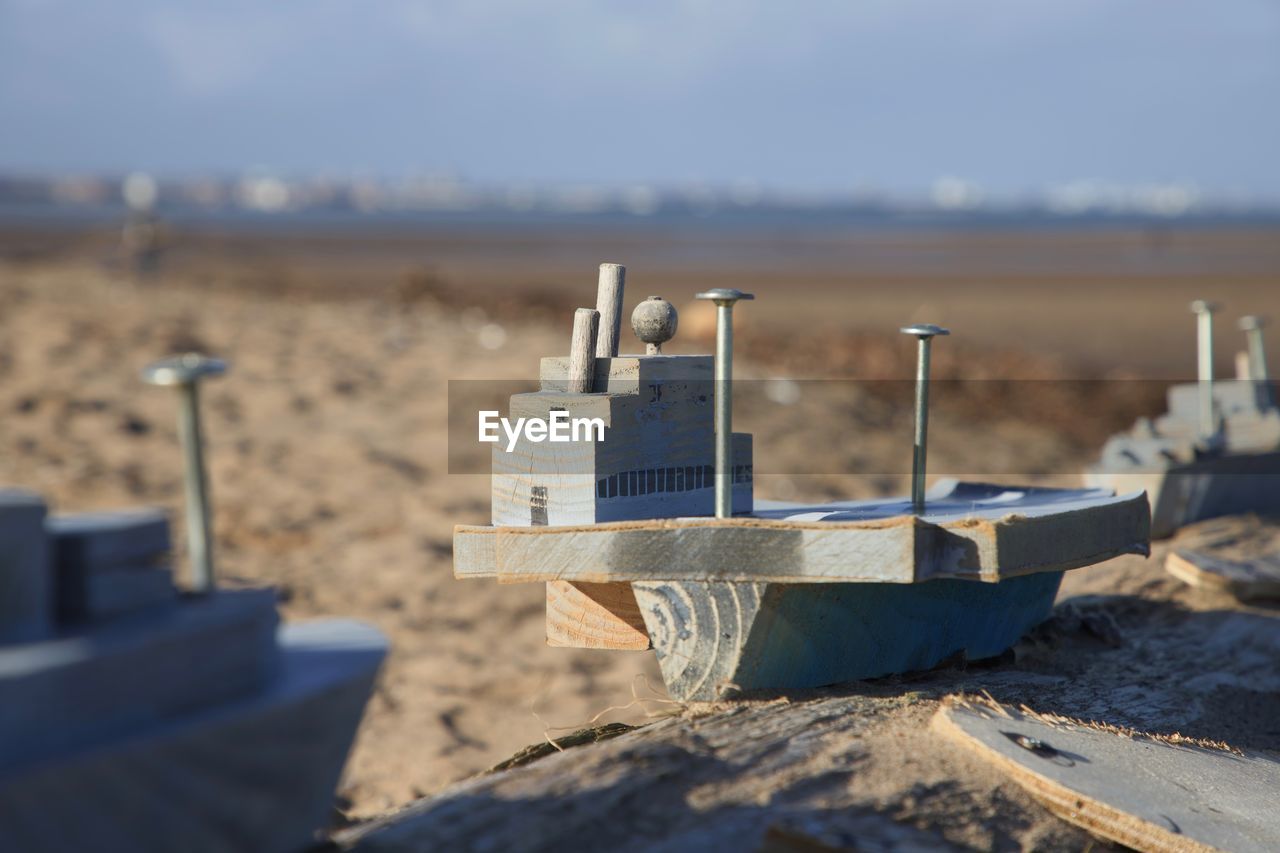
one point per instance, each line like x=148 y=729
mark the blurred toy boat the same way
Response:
x=1216 y=452
x=140 y=720
x=790 y=595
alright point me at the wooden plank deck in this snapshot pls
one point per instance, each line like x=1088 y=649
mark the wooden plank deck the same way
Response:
x=970 y=531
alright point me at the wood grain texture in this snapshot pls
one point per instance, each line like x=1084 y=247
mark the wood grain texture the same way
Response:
x=1030 y=531
x=1145 y=793
x=654 y=461
x=630 y=374
x=657 y=422
x=252 y=775
x=716 y=640
x=582 y=350
x=609 y=295
x=699 y=632
x=594 y=616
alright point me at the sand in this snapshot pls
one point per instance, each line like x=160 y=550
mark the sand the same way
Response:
x=328 y=439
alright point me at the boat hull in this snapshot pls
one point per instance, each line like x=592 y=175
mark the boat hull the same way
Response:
x=1214 y=486
x=717 y=640
x=256 y=774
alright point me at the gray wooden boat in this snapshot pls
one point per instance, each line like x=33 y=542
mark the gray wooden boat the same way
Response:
x=648 y=535
x=1215 y=452
x=133 y=718
x=1191 y=476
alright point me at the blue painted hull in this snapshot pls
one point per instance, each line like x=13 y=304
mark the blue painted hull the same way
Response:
x=816 y=634
x=715 y=640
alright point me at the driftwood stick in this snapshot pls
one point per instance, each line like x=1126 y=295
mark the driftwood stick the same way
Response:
x=609 y=303
x=582 y=359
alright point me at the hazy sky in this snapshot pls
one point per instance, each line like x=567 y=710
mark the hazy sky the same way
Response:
x=1014 y=94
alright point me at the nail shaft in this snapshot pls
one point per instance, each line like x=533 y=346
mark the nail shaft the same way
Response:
x=924 y=333
x=1204 y=357
x=920 y=456
x=724 y=299
x=195 y=483
x=724 y=410
x=184 y=372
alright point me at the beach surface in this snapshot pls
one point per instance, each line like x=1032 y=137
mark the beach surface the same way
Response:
x=328 y=442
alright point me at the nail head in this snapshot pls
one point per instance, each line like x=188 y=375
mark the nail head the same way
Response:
x=183 y=369
x=1250 y=322
x=1204 y=306
x=924 y=330
x=724 y=295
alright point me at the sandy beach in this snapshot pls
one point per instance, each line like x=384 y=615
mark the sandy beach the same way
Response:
x=328 y=440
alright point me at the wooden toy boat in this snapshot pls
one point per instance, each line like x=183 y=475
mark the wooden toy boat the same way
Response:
x=136 y=719
x=766 y=596
x=1215 y=452
x=790 y=595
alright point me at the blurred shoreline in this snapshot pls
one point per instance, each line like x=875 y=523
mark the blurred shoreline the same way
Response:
x=1103 y=299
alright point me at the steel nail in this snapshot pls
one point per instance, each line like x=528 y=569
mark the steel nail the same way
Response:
x=184 y=372
x=924 y=333
x=724 y=298
x=1204 y=351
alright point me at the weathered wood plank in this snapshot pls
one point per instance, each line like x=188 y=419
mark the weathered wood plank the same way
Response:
x=670 y=446
x=1148 y=793
x=1235 y=554
x=594 y=616
x=632 y=374
x=1248 y=580
x=1010 y=533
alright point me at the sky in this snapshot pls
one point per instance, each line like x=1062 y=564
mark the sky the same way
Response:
x=1015 y=95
